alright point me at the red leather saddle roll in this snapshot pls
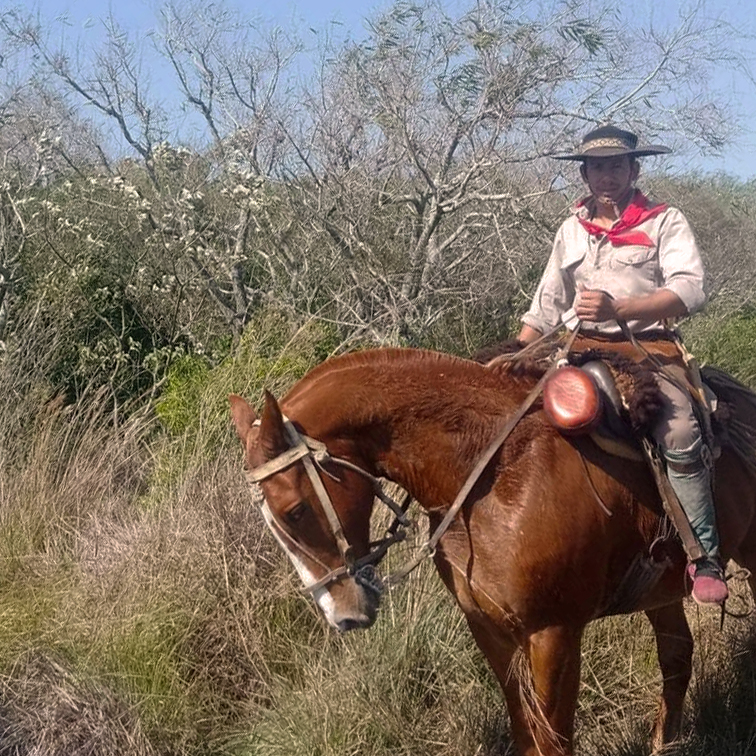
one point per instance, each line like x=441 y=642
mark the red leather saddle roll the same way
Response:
x=571 y=401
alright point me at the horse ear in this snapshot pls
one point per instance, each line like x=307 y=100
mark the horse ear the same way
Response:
x=243 y=416
x=272 y=437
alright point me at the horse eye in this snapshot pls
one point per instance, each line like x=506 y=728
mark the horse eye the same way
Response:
x=295 y=514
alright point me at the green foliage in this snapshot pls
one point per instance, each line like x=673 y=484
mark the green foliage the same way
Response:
x=273 y=354
x=726 y=341
x=29 y=608
x=585 y=34
x=722 y=212
x=432 y=676
x=178 y=407
x=401 y=191
x=145 y=657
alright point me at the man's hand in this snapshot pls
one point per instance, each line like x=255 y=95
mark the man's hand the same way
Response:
x=595 y=306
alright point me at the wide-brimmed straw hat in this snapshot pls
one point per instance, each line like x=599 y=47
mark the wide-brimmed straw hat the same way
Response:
x=609 y=141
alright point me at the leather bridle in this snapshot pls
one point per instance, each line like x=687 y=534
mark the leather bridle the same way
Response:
x=313 y=454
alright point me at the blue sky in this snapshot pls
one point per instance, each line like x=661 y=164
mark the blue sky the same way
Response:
x=348 y=16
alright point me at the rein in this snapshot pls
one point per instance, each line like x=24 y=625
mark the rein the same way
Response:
x=428 y=549
x=312 y=453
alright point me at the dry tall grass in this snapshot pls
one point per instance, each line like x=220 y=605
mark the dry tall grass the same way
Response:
x=144 y=611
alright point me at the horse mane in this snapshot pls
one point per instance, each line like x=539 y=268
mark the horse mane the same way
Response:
x=467 y=398
x=498 y=384
x=397 y=357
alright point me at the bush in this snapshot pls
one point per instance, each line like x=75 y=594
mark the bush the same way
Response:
x=274 y=352
x=726 y=342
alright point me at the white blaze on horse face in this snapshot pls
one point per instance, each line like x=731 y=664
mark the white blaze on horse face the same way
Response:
x=321 y=596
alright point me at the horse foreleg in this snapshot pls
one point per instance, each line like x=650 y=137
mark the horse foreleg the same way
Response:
x=540 y=684
x=500 y=650
x=554 y=655
x=674 y=645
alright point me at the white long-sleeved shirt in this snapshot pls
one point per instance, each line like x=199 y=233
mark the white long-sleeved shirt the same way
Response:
x=580 y=260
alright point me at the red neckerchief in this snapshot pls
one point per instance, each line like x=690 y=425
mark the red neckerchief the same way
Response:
x=622 y=232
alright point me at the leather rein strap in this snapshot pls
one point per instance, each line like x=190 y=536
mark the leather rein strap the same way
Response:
x=670 y=501
x=313 y=452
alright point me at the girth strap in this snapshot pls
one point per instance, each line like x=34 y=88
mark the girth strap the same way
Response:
x=670 y=501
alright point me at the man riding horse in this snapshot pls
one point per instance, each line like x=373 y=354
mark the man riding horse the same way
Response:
x=623 y=261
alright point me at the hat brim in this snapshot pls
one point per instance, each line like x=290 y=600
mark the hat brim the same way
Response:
x=602 y=152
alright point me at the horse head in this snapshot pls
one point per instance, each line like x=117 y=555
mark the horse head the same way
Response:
x=317 y=509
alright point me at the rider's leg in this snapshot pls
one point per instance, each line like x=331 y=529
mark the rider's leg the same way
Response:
x=691 y=481
x=679 y=437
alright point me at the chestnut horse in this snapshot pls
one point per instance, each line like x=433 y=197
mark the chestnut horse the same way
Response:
x=546 y=540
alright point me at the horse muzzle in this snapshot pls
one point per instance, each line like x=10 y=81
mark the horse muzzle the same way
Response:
x=353 y=605
x=358 y=622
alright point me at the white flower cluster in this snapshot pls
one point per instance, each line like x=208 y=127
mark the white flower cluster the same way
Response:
x=247 y=192
x=96 y=243
x=128 y=190
x=51 y=207
x=168 y=285
x=170 y=157
x=188 y=199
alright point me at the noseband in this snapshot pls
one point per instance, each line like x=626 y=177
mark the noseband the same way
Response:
x=313 y=454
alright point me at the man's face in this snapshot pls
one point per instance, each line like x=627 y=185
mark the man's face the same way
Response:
x=610 y=179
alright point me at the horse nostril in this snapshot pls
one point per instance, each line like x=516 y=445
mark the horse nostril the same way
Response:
x=353 y=623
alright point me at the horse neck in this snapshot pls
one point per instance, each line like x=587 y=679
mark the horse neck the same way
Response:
x=419 y=420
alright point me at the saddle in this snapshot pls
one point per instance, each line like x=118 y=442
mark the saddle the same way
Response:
x=605 y=387
x=608 y=390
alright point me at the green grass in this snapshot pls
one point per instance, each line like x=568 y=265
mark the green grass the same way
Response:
x=725 y=341
x=145 y=610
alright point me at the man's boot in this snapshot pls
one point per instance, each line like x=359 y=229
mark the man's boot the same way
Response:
x=691 y=481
